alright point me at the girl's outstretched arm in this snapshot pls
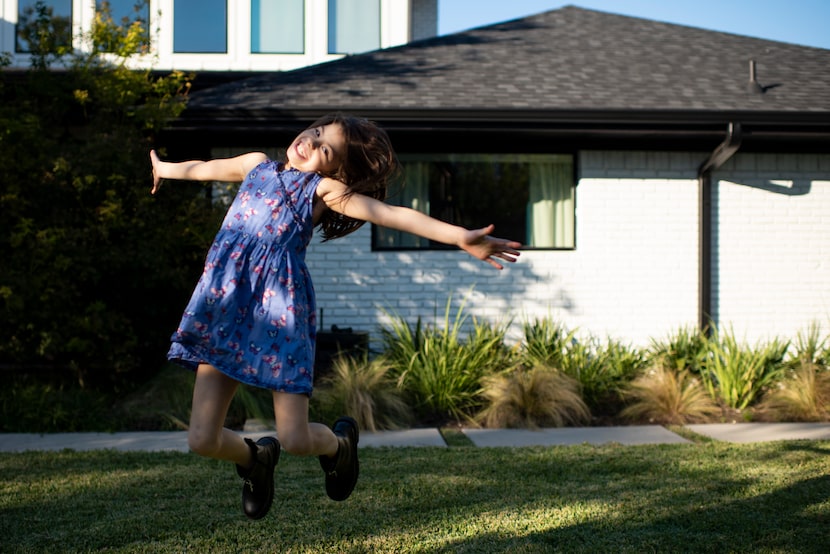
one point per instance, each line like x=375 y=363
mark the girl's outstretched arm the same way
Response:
x=227 y=169
x=476 y=242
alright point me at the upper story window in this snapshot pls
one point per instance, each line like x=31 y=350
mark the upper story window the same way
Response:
x=354 y=26
x=125 y=13
x=529 y=197
x=43 y=25
x=277 y=26
x=200 y=26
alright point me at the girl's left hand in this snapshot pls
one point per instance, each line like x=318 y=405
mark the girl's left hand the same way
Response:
x=480 y=244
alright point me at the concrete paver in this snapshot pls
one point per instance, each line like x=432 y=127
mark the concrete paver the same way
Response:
x=627 y=435
x=635 y=434
x=762 y=432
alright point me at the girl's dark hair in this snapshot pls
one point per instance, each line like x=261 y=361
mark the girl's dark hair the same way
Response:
x=368 y=165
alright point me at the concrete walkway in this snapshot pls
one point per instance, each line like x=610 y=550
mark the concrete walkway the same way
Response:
x=626 y=435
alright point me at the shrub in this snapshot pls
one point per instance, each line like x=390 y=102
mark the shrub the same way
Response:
x=366 y=390
x=603 y=371
x=668 y=396
x=546 y=342
x=685 y=349
x=440 y=371
x=541 y=396
x=737 y=374
x=28 y=406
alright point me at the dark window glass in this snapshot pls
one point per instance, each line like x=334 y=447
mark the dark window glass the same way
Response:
x=529 y=197
x=124 y=14
x=43 y=25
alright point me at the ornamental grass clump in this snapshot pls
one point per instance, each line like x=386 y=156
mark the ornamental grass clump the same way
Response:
x=366 y=390
x=804 y=392
x=541 y=396
x=666 y=396
x=804 y=395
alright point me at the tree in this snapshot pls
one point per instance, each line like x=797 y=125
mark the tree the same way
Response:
x=86 y=284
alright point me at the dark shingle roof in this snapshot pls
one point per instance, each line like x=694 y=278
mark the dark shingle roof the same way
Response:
x=565 y=60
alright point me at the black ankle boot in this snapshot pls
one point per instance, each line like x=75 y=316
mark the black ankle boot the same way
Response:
x=258 y=489
x=343 y=469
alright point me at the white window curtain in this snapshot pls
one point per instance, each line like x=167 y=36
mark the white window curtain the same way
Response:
x=550 y=209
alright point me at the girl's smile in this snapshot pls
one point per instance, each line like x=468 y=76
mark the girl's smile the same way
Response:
x=318 y=149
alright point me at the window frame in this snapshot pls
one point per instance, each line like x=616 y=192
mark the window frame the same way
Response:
x=376 y=232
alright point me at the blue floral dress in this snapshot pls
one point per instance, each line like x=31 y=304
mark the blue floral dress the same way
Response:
x=252 y=314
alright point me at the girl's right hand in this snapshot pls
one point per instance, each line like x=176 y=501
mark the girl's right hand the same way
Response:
x=154 y=159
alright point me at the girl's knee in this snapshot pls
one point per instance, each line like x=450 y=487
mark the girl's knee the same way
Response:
x=202 y=443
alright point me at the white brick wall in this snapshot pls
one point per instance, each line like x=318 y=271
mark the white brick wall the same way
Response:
x=633 y=275
x=772 y=262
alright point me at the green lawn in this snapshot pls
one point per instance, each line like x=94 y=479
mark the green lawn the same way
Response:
x=704 y=497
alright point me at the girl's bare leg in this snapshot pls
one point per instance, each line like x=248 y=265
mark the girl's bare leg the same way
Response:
x=207 y=436
x=294 y=431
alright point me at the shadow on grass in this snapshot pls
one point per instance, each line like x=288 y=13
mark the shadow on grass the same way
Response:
x=691 y=498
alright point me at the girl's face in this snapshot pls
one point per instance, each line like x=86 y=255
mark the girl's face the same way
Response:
x=318 y=149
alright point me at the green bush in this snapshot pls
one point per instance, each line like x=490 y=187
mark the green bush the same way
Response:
x=95 y=270
x=736 y=373
x=31 y=406
x=686 y=348
x=603 y=370
x=439 y=370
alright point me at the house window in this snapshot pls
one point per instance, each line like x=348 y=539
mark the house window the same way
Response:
x=354 y=26
x=200 y=26
x=277 y=26
x=529 y=197
x=125 y=13
x=44 y=26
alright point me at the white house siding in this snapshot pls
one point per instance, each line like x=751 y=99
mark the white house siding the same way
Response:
x=772 y=258
x=634 y=273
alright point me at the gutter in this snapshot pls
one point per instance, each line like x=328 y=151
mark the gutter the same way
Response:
x=719 y=156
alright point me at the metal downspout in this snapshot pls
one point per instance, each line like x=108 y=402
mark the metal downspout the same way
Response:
x=719 y=156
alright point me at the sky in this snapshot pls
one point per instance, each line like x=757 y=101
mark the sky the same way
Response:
x=804 y=22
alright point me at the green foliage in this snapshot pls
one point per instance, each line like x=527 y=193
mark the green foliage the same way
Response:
x=667 y=396
x=810 y=348
x=440 y=370
x=546 y=342
x=161 y=404
x=366 y=390
x=87 y=284
x=685 y=349
x=28 y=405
x=603 y=370
x=737 y=374
x=541 y=396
